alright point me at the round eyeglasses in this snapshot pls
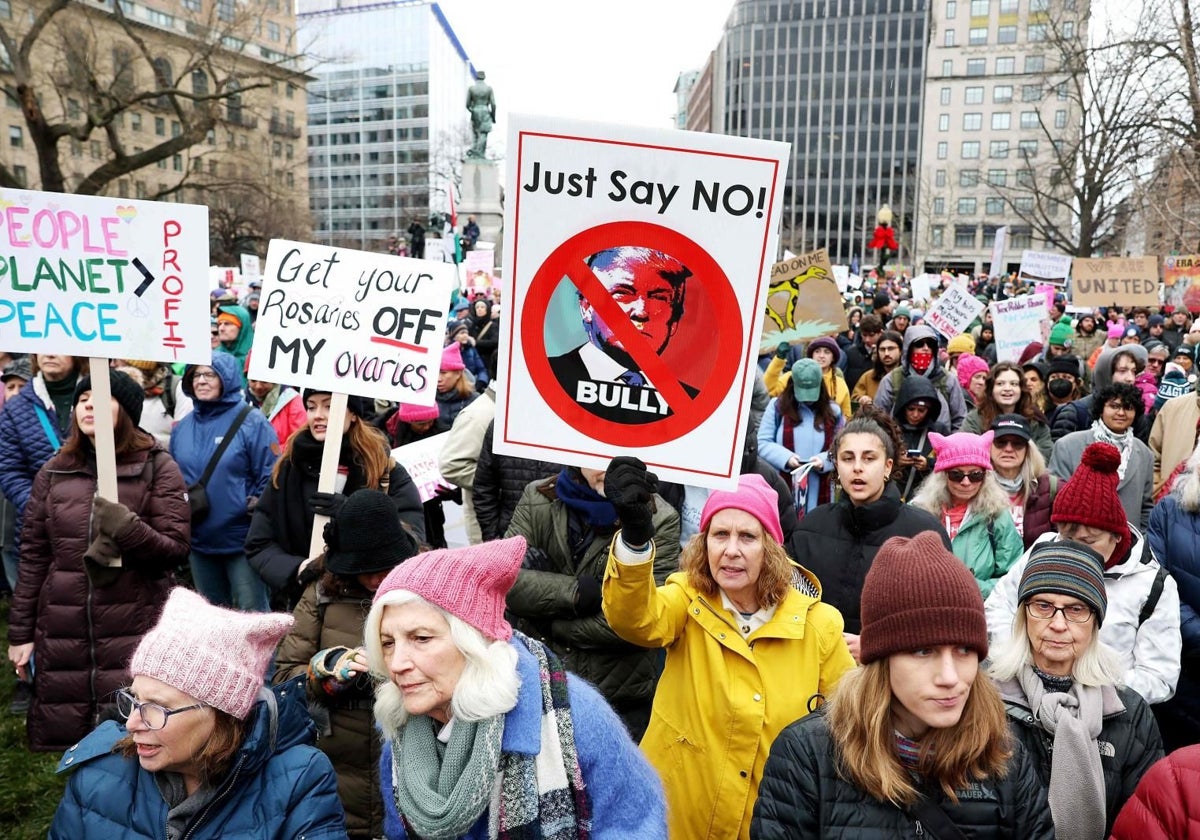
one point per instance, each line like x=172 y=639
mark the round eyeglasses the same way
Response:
x=153 y=715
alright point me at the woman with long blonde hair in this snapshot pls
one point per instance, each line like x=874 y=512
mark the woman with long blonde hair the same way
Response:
x=915 y=741
x=280 y=528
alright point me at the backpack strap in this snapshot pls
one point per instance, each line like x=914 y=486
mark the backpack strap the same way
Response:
x=47 y=426
x=1156 y=590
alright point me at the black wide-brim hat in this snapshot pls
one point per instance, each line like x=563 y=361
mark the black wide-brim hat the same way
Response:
x=366 y=536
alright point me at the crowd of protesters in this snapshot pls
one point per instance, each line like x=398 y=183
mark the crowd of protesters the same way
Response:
x=977 y=615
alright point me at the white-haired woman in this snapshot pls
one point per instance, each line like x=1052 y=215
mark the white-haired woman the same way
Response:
x=1091 y=739
x=1021 y=473
x=962 y=492
x=1174 y=537
x=486 y=735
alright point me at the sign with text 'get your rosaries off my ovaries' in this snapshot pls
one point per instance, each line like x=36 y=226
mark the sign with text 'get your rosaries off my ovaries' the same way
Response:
x=351 y=322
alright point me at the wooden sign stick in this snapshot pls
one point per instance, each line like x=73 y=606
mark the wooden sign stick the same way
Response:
x=106 y=449
x=329 y=466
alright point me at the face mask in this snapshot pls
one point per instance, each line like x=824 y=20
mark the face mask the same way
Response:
x=1061 y=388
x=920 y=359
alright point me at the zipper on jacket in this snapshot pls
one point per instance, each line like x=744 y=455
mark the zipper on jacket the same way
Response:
x=221 y=794
x=920 y=829
x=91 y=631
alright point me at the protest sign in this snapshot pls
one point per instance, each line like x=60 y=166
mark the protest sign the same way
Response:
x=1001 y=242
x=841 y=276
x=1127 y=281
x=1181 y=281
x=637 y=269
x=105 y=277
x=922 y=287
x=420 y=458
x=803 y=301
x=479 y=260
x=953 y=312
x=1045 y=267
x=1017 y=322
x=1047 y=290
x=251 y=267
x=351 y=322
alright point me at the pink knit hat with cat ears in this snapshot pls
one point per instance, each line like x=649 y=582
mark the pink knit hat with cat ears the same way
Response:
x=218 y=656
x=962 y=449
x=452 y=358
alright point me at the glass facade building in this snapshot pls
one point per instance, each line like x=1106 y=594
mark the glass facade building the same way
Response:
x=387 y=122
x=842 y=81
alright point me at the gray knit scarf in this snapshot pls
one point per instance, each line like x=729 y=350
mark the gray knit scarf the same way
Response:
x=442 y=791
x=1074 y=719
x=1123 y=442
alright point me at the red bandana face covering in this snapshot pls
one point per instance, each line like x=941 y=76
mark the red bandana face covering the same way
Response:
x=921 y=359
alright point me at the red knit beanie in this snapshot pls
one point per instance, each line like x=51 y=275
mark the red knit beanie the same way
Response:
x=1090 y=498
x=918 y=595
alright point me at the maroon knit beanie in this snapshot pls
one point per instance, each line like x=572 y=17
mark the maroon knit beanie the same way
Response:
x=1090 y=498
x=918 y=595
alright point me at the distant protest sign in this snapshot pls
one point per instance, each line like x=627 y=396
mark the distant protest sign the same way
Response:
x=1017 y=322
x=1127 y=281
x=954 y=311
x=1045 y=267
x=638 y=265
x=105 y=277
x=996 y=266
x=803 y=301
x=922 y=287
x=351 y=322
x=420 y=459
x=1181 y=281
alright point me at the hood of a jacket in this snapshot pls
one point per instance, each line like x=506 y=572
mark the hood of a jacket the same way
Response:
x=226 y=367
x=245 y=340
x=278 y=722
x=916 y=388
x=914 y=334
x=1102 y=372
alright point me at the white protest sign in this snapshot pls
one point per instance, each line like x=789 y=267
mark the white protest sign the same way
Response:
x=105 y=277
x=637 y=268
x=953 y=312
x=420 y=458
x=351 y=322
x=841 y=276
x=997 y=265
x=251 y=267
x=1017 y=323
x=922 y=288
x=1045 y=267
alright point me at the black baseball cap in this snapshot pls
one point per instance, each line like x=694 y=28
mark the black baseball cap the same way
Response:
x=1012 y=425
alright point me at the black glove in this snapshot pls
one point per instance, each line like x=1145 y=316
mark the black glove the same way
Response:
x=326 y=504
x=445 y=493
x=631 y=488
x=587 y=596
x=781 y=352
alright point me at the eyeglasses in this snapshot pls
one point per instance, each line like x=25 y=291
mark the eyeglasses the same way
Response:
x=153 y=715
x=1118 y=407
x=1155 y=362
x=1044 y=610
x=975 y=476
x=201 y=374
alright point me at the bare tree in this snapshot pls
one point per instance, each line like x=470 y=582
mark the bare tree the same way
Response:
x=78 y=70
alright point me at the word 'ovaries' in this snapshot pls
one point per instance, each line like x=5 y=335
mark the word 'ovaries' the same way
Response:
x=378 y=369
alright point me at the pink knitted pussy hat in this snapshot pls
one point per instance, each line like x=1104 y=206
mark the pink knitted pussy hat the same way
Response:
x=967 y=366
x=452 y=358
x=754 y=496
x=469 y=583
x=962 y=449
x=410 y=413
x=218 y=656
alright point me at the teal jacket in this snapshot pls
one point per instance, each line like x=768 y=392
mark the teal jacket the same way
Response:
x=989 y=552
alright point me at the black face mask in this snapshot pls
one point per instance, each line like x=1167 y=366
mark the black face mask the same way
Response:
x=1060 y=388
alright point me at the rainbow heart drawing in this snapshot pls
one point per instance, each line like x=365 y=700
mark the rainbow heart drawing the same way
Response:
x=126 y=212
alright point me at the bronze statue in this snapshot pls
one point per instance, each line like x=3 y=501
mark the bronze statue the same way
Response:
x=481 y=103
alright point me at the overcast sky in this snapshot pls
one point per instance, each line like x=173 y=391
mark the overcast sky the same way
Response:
x=607 y=60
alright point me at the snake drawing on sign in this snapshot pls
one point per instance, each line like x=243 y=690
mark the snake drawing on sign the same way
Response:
x=791 y=287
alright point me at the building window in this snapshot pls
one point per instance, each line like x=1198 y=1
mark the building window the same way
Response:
x=970 y=150
x=1056 y=176
x=977 y=36
x=177 y=162
x=944 y=122
x=1060 y=90
x=1027 y=149
x=1006 y=66
x=1007 y=34
x=1031 y=93
x=967 y=206
x=160 y=126
x=1035 y=32
x=937 y=236
x=160 y=19
x=972 y=122
x=1029 y=119
x=16 y=136
x=1001 y=121
x=943 y=150
x=948 y=38
x=997 y=177
x=1037 y=6
x=998 y=149
x=980 y=8
x=1020 y=238
x=993 y=206
x=968 y=178
x=945 y=96
x=947 y=67
x=939 y=178
x=1068 y=29
x=976 y=66
x=21 y=175
x=225 y=10
x=1002 y=94
x=939 y=206
x=6 y=9
x=1060 y=119
x=1008 y=7
x=1035 y=63
x=273 y=30
x=951 y=9
x=1025 y=178
x=1023 y=205
x=176 y=128
x=973 y=96
x=192 y=5
x=964 y=235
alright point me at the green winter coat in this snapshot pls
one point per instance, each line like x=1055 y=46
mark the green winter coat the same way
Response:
x=543 y=600
x=988 y=552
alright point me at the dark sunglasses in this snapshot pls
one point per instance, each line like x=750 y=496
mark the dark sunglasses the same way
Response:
x=975 y=476
x=1009 y=443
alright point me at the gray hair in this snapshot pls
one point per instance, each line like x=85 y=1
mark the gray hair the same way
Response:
x=990 y=502
x=1187 y=484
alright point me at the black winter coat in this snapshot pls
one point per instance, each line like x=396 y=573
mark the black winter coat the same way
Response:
x=1129 y=742
x=500 y=481
x=858 y=361
x=837 y=543
x=802 y=795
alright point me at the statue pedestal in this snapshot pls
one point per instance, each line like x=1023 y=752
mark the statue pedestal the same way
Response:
x=483 y=199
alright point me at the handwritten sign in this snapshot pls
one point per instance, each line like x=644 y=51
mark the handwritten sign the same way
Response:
x=421 y=460
x=1045 y=266
x=351 y=322
x=1120 y=280
x=1018 y=323
x=105 y=277
x=803 y=301
x=1181 y=281
x=953 y=311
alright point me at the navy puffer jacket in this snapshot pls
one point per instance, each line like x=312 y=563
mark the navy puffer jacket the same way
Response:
x=24 y=444
x=280 y=787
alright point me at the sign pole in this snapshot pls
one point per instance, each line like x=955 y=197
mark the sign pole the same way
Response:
x=329 y=465
x=106 y=449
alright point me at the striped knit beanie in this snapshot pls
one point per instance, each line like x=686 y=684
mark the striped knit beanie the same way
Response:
x=1064 y=567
